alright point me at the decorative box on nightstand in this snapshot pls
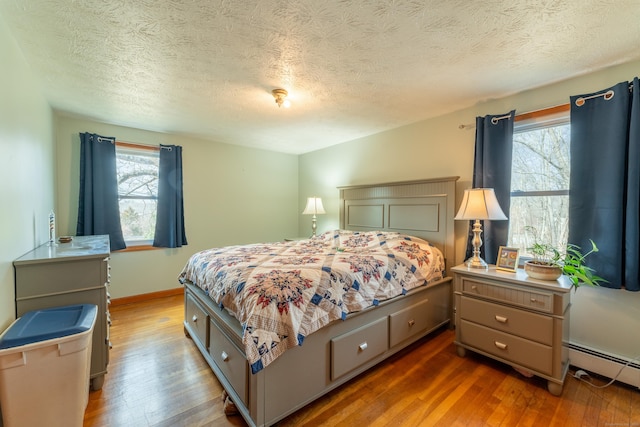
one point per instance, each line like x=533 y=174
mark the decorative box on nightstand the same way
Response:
x=517 y=320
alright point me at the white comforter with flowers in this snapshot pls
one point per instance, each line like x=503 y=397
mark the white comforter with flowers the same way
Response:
x=283 y=292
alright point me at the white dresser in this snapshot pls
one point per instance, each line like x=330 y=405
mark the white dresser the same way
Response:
x=70 y=273
x=512 y=318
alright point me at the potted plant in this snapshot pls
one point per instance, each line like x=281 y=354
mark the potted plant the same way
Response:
x=549 y=263
x=544 y=264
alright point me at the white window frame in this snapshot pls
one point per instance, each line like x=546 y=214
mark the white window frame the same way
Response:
x=550 y=117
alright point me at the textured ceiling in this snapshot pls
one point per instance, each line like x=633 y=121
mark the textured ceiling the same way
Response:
x=352 y=68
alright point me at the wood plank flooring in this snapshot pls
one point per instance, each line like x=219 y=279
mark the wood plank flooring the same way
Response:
x=158 y=378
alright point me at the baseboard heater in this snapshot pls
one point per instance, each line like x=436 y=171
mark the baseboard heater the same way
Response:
x=607 y=365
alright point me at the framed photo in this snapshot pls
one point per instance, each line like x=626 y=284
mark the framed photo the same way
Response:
x=507 y=259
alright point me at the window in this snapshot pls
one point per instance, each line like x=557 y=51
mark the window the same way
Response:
x=540 y=182
x=137 y=172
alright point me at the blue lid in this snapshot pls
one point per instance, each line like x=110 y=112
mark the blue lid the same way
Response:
x=50 y=323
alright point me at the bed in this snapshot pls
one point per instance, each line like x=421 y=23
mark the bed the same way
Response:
x=270 y=373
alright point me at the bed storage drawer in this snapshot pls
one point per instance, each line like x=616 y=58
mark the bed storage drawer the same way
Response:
x=408 y=322
x=508 y=347
x=197 y=319
x=350 y=350
x=525 y=324
x=230 y=360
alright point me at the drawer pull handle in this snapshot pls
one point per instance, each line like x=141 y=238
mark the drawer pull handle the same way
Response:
x=363 y=346
x=411 y=322
x=500 y=345
x=194 y=318
x=501 y=319
x=474 y=287
x=224 y=356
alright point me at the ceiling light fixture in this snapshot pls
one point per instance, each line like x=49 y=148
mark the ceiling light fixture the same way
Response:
x=280 y=96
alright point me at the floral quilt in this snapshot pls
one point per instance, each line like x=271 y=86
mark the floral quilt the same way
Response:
x=283 y=292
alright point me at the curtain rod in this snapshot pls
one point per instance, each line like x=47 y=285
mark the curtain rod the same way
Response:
x=105 y=139
x=607 y=96
x=494 y=120
x=528 y=115
x=551 y=110
x=141 y=146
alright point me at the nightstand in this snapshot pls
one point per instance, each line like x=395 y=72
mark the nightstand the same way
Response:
x=517 y=320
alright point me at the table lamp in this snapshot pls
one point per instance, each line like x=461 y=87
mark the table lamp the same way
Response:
x=479 y=204
x=314 y=206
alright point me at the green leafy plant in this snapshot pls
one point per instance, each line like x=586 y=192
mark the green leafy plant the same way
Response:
x=544 y=253
x=571 y=261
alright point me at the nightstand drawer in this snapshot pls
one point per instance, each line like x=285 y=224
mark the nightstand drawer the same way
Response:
x=535 y=300
x=508 y=347
x=525 y=324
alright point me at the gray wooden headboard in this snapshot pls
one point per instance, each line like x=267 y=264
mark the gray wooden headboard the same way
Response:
x=422 y=208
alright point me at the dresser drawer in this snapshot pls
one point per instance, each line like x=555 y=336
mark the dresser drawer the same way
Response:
x=60 y=277
x=231 y=361
x=508 y=347
x=525 y=324
x=357 y=347
x=197 y=319
x=535 y=300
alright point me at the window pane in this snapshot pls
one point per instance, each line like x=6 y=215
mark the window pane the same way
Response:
x=137 y=172
x=540 y=164
x=541 y=159
x=549 y=215
x=138 y=218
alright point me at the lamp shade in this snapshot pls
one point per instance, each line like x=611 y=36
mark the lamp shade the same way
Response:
x=314 y=206
x=480 y=203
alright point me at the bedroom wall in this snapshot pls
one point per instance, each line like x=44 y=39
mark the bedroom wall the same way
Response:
x=26 y=167
x=232 y=195
x=603 y=319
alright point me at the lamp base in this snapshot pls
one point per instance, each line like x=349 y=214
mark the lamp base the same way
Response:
x=314 y=226
x=476 y=262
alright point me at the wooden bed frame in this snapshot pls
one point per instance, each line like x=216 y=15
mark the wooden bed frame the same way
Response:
x=342 y=349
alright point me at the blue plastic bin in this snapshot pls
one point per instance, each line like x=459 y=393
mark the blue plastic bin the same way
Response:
x=42 y=325
x=45 y=361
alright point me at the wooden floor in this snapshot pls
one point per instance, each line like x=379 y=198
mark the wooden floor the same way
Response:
x=158 y=378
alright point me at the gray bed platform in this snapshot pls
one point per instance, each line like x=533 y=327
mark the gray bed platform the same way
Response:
x=343 y=349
